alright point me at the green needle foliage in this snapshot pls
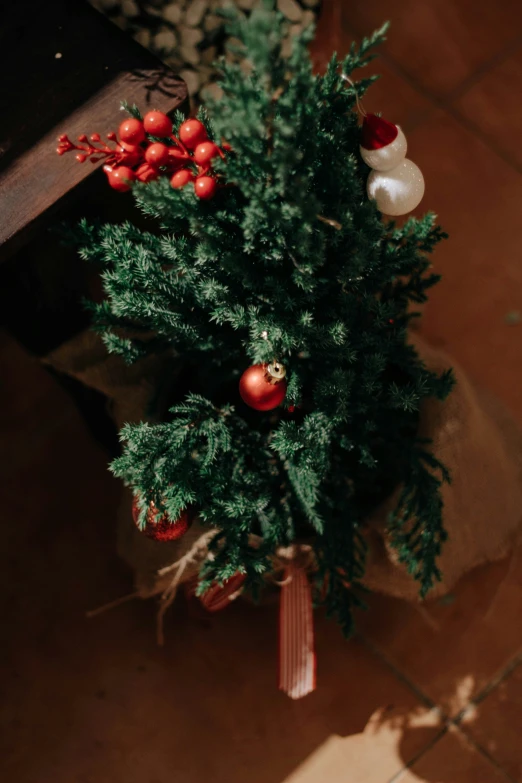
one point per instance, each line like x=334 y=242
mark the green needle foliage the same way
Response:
x=289 y=261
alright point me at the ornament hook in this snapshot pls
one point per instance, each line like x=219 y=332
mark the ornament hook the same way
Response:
x=360 y=107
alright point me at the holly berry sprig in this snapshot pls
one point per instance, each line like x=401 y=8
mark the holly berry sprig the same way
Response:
x=134 y=156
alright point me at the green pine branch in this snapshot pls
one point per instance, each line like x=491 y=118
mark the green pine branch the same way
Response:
x=290 y=260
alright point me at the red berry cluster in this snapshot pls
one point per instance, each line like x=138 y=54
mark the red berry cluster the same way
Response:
x=134 y=157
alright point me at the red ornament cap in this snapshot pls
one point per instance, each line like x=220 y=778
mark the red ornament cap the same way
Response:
x=377 y=133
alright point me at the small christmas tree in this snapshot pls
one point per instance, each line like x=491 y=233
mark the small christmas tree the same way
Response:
x=288 y=298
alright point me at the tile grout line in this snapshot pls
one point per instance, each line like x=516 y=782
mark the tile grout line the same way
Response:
x=483 y=752
x=441 y=101
x=478 y=699
x=446 y=103
x=447 y=721
x=475 y=77
x=481 y=136
x=497 y=678
x=425 y=700
x=475 y=745
x=398 y=775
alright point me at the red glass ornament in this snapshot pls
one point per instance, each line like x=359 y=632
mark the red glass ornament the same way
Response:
x=192 y=133
x=157 y=124
x=260 y=390
x=131 y=131
x=377 y=133
x=205 y=187
x=181 y=178
x=147 y=173
x=204 y=153
x=157 y=154
x=219 y=596
x=161 y=528
x=120 y=178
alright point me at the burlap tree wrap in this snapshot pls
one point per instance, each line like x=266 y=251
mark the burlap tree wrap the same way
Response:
x=472 y=434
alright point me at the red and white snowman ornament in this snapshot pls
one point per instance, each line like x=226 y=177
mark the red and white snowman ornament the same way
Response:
x=396 y=184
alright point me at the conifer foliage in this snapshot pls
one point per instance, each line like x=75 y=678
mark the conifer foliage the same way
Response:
x=289 y=261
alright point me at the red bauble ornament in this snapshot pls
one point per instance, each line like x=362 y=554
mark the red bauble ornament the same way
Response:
x=157 y=154
x=181 y=178
x=205 y=187
x=132 y=131
x=147 y=173
x=204 y=152
x=157 y=124
x=219 y=596
x=377 y=133
x=192 y=133
x=120 y=178
x=161 y=528
x=263 y=386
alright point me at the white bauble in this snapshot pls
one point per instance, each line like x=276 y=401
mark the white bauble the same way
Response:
x=386 y=158
x=398 y=191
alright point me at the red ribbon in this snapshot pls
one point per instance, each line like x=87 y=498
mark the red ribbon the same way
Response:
x=297 y=663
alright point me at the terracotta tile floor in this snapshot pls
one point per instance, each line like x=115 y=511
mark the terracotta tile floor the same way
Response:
x=431 y=693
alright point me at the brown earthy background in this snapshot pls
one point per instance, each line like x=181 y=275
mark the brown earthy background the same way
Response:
x=430 y=693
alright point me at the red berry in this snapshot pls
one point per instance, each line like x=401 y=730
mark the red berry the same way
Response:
x=147 y=173
x=181 y=178
x=192 y=133
x=157 y=124
x=132 y=131
x=120 y=178
x=204 y=152
x=132 y=154
x=157 y=154
x=205 y=187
